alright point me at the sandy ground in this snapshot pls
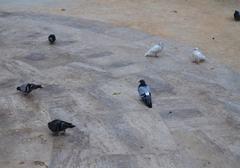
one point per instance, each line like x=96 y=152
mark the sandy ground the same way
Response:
x=206 y=24
x=90 y=78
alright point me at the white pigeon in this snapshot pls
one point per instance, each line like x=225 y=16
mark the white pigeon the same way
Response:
x=198 y=56
x=155 y=50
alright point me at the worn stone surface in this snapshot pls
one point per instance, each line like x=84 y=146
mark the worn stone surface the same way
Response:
x=194 y=121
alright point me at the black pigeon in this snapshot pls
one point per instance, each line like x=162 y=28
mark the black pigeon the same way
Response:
x=51 y=38
x=145 y=93
x=57 y=126
x=27 y=88
x=237 y=15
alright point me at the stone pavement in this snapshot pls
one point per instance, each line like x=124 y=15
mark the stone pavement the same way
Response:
x=194 y=121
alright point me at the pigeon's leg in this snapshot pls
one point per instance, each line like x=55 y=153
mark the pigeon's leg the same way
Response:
x=196 y=62
x=63 y=132
x=25 y=94
x=55 y=133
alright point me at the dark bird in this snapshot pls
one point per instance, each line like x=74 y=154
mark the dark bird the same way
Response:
x=27 y=88
x=57 y=126
x=51 y=38
x=237 y=15
x=145 y=93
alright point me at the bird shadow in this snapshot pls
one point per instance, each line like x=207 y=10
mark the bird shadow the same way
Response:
x=231 y=19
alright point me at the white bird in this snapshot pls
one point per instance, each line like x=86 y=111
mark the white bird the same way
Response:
x=155 y=50
x=198 y=56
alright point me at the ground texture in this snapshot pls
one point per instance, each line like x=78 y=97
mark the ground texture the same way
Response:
x=90 y=79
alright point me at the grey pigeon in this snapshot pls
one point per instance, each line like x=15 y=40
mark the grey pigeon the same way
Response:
x=237 y=15
x=51 y=38
x=28 y=87
x=57 y=126
x=145 y=93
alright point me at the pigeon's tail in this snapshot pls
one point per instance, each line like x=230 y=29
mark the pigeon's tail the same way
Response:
x=148 y=101
x=18 y=88
x=39 y=86
x=146 y=54
x=36 y=86
x=68 y=125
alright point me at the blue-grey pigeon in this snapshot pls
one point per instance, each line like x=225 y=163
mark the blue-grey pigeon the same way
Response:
x=28 y=87
x=145 y=93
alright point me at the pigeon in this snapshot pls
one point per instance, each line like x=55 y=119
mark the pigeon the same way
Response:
x=145 y=93
x=155 y=50
x=198 y=56
x=27 y=88
x=51 y=38
x=237 y=15
x=57 y=126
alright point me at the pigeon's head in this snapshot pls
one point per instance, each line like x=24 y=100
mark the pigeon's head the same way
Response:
x=161 y=44
x=18 y=88
x=142 y=82
x=195 y=49
x=236 y=12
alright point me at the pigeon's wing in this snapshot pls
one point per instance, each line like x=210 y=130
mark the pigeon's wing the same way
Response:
x=148 y=89
x=141 y=91
x=23 y=88
x=196 y=56
x=144 y=90
x=55 y=125
x=202 y=57
x=153 y=51
x=199 y=56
